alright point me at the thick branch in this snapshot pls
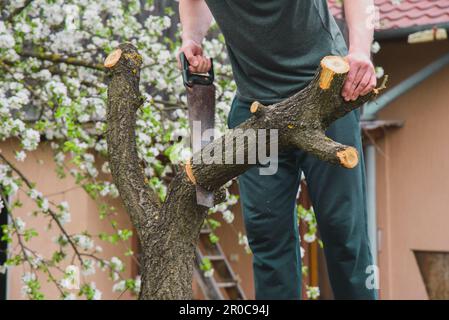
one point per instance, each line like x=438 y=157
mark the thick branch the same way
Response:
x=301 y=121
x=123 y=100
x=57 y=58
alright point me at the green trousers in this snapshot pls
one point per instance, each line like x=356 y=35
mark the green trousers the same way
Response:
x=338 y=197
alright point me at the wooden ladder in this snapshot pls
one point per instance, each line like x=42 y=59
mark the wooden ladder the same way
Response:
x=224 y=283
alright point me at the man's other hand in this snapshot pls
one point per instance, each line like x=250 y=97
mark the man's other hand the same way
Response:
x=194 y=54
x=361 y=78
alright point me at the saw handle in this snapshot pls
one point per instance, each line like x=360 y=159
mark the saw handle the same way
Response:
x=191 y=78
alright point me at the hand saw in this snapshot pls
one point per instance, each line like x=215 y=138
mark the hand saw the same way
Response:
x=201 y=105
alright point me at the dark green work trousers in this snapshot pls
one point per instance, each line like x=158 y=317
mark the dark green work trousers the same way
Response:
x=338 y=197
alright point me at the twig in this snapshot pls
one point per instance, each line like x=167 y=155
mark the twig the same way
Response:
x=51 y=212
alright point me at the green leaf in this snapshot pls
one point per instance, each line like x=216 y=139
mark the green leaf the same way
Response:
x=213 y=238
x=29 y=234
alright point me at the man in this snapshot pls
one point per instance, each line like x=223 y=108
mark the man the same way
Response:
x=275 y=47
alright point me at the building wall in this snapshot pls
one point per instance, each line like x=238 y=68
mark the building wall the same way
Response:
x=39 y=167
x=412 y=170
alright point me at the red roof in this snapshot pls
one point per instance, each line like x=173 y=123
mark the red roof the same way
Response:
x=405 y=14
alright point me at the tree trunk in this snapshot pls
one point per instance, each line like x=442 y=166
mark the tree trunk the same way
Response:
x=168 y=232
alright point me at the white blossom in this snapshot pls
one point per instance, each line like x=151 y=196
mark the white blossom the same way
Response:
x=88 y=267
x=137 y=284
x=96 y=293
x=85 y=242
x=308 y=237
x=119 y=286
x=36 y=261
x=30 y=139
x=20 y=156
x=59 y=157
x=243 y=241
x=70 y=296
x=6 y=41
x=64 y=205
x=308 y=217
x=209 y=273
x=228 y=216
x=20 y=224
x=44 y=205
x=379 y=72
x=71 y=278
x=34 y=194
x=3 y=268
x=375 y=47
x=312 y=292
x=105 y=167
x=117 y=264
x=27 y=277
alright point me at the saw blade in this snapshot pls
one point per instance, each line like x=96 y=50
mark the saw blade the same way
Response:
x=201 y=105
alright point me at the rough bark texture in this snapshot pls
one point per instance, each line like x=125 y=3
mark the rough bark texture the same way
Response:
x=168 y=231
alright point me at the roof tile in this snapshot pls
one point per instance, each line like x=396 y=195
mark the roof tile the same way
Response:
x=408 y=13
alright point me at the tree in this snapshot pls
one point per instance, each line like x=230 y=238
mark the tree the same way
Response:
x=169 y=231
x=53 y=92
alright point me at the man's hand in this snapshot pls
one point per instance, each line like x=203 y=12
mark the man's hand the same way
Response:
x=196 y=19
x=194 y=54
x=361 y=78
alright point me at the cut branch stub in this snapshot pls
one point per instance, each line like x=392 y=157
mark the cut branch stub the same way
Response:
x=257 y=108
x=330 y=66
x=113 y=58
x=189 y=173
x=349 y=157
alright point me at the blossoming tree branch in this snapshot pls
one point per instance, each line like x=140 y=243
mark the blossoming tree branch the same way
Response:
x=53 y=96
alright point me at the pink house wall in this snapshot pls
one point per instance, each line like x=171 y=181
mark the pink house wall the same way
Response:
x=413 y=170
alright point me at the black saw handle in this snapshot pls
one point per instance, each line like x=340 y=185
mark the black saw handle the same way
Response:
x=191 y=78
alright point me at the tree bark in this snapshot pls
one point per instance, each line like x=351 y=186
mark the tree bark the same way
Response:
x=168 y=232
